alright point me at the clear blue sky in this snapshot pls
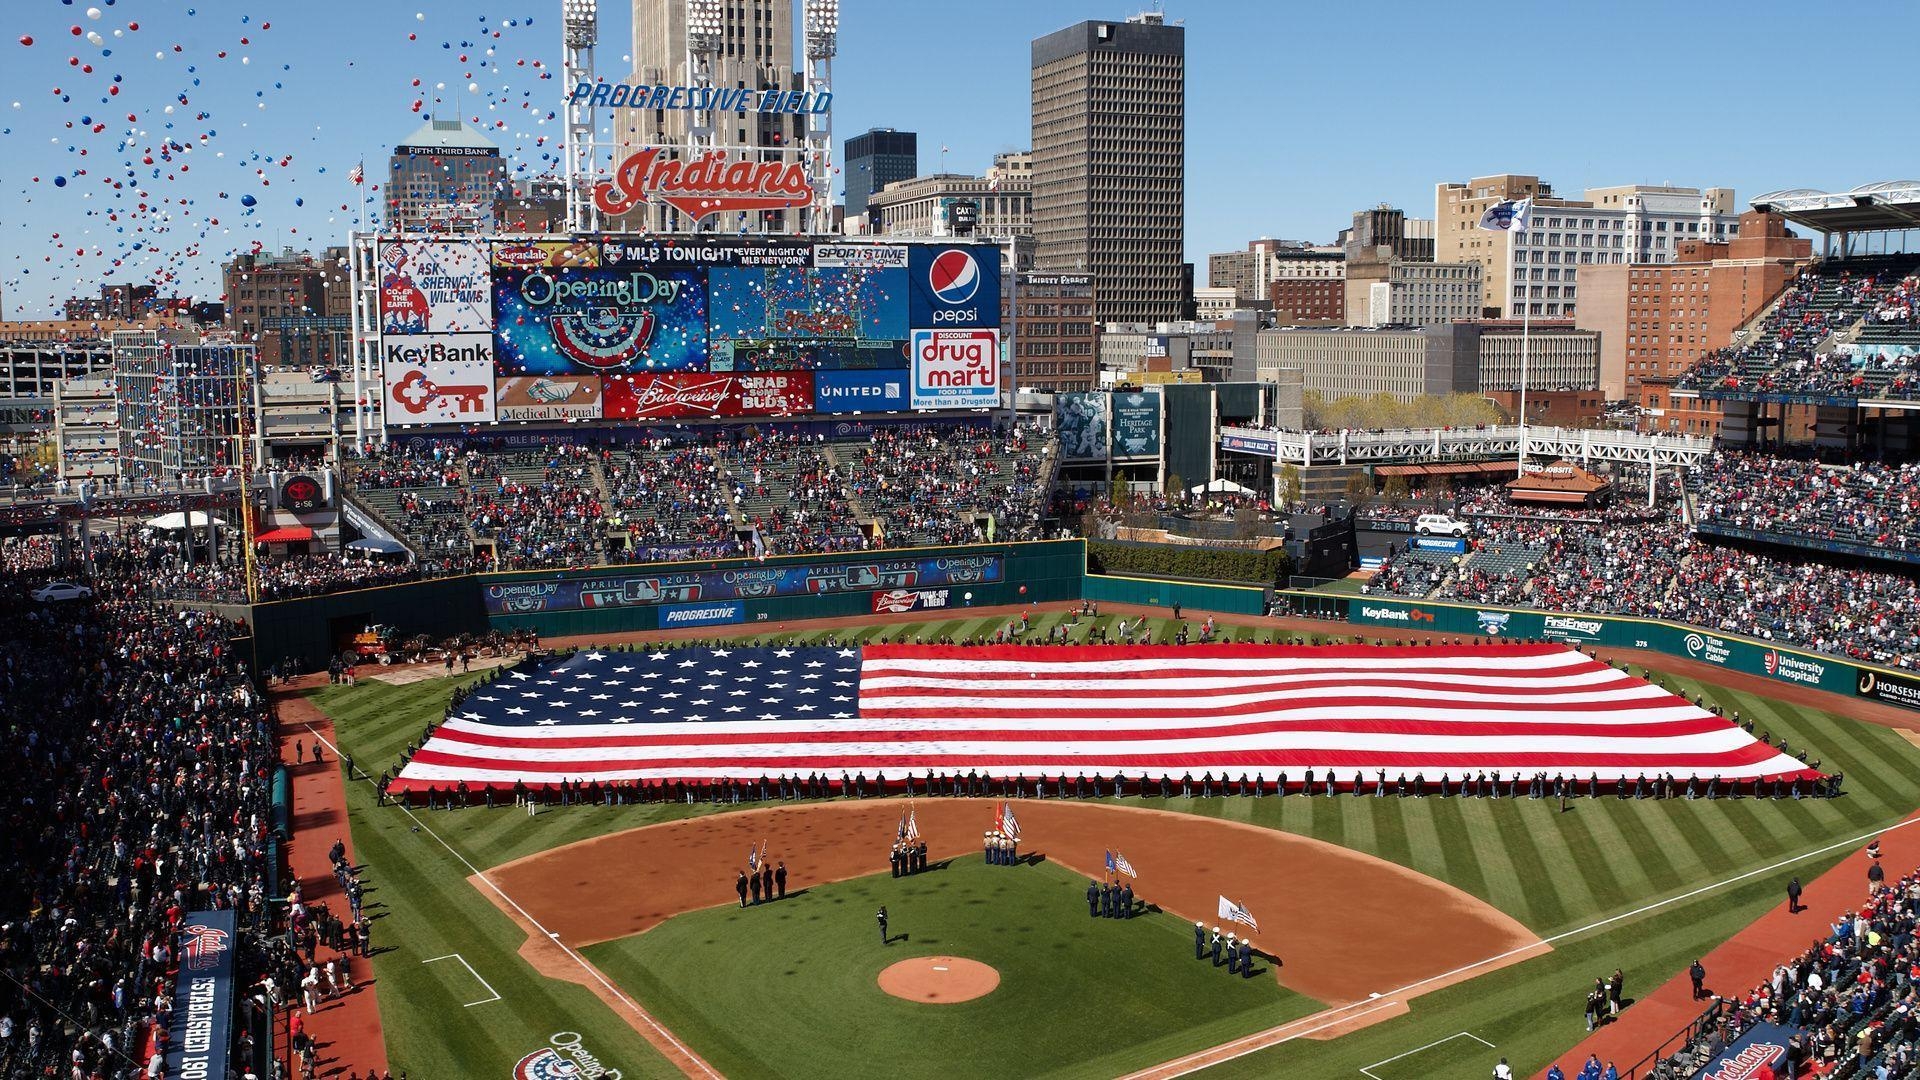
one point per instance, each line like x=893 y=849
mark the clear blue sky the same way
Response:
x=1297 y=114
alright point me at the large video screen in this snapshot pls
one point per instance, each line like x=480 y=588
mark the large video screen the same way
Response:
x=630 y=327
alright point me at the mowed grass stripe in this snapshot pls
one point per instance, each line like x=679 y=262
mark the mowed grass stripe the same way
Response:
x=1533 y=879
x=1464 y=861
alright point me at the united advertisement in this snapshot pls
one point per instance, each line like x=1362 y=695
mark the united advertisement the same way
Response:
x=434 y=287
x=438 y=378
x=860 y=391
x=702 y=593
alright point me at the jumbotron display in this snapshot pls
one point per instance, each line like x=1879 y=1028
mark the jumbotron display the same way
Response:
x=642 y=328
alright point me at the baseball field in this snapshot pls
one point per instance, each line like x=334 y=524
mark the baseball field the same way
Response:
x=610 y=936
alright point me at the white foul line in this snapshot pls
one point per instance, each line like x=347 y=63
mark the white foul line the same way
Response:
x=1368 y=1069
x=1181 y=1062
x=551 y=936
x=475 y=974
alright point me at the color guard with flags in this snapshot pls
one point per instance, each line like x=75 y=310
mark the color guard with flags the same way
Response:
x=1507 y=215
x=1007 y=823
x=1233 y=912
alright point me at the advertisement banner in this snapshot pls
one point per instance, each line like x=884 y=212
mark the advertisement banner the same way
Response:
x=671 y=395
x=1136 y=425
x=1251 y=444
x=548 y=397
x=438 y=378
x=528 y=254
x=703 y=251
x=896 y=601
x=1081 y=422
x=714 y=614
x=1752 y=1055
x=708 y=588
x=1452 y=545
x=786 y=319
x=955 y=369
x=1889 y=688
x=197 y=1032
x=860 y=391
x=952 y=287
x=572 y=321
x=434 y=287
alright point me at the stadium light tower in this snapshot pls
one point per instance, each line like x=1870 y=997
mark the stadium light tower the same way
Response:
x=822 y=42
x=580 y=28
x=706 y=24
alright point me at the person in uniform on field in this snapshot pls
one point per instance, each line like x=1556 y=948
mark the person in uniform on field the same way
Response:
x=893 y=860
x=1199 y=941
x=1093 y=899
x=780 y=879
x=753 y=885
x=882 y=918
x=766 y=881
x=1246 y=959
x=1126 y=901
x=1214 y=946
x=740 y=886
x=1233 y=954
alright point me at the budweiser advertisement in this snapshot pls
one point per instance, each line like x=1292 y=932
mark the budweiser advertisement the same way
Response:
x=714 y=182
x=678 y=395
x=548 y=397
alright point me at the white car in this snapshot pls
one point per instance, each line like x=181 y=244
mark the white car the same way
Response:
x=1439 y=525
x=54 y=591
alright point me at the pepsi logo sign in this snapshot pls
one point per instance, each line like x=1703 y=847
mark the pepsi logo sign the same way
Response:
x=954 y=277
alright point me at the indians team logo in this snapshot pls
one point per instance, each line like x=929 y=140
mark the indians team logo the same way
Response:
x=953 y=277
x=546 y=1064
x=202 y=946
x=1747 y=1062
x=604 y=337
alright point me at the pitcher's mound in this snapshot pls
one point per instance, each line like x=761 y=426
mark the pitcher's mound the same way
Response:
x=939 y=980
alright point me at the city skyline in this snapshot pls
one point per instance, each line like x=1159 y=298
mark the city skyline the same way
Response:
x=1420 y=108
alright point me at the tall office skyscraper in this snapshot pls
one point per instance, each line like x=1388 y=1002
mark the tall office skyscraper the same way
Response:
x=875 y=159
x=755 y=52
x=1109 y=162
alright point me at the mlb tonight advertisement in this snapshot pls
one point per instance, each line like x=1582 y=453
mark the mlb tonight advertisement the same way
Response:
x=689 y=327
x=716 y=587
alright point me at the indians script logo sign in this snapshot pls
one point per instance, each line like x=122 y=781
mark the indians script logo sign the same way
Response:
x=711 y=183
x=1747 y=1063
x=202 y=947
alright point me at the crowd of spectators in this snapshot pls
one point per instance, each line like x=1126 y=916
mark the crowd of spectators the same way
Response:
x=1855 y=992
x=1660 y=569
x=137 y=763
x=1864 y=502
x=1780 y=358
x=938 y=485
x=539 y=507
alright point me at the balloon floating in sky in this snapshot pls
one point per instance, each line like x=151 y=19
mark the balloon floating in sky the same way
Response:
x=248 y=200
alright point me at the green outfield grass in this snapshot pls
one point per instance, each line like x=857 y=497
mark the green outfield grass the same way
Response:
x=788 y=989
x=1556 y=873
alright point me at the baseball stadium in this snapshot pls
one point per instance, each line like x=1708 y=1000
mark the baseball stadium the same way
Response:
x=718 y=631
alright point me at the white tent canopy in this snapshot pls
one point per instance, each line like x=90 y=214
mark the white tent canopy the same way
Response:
x=178 y=520
x=1218 y=486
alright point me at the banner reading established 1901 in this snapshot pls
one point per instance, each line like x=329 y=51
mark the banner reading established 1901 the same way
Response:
x=198 y=1032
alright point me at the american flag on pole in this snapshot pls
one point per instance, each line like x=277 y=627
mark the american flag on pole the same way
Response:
x=913 y=825
x=1032 y=711
x=1121 y=864
x=1233 y=912
x=1008 y=823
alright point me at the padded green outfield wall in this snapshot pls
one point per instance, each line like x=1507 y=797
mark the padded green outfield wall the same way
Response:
x=1746 y=655
x=687 y=595
x=1191 y=595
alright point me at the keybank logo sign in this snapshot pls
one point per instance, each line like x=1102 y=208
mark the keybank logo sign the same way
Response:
x=1385 y=614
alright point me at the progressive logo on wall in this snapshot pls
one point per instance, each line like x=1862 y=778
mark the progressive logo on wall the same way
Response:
x=438 y=378
x=955 y=369
x=434 y=287
x=954 y=286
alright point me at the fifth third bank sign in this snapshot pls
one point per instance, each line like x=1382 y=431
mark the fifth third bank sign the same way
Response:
x=955 y=369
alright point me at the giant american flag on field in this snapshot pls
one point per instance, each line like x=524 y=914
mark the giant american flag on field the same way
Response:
x=1031 y=710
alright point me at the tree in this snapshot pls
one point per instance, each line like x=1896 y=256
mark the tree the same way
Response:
x=1359 y=488
x=1290 y=486
x=1175 y=487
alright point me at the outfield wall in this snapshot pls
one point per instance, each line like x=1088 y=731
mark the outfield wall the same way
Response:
x=1160 y=592
x=1741 y=654
x=675 y=596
